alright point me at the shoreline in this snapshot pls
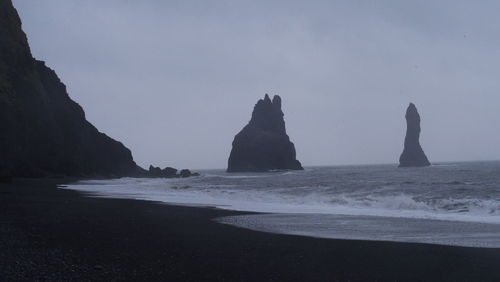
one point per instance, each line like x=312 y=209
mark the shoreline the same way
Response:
x=434 y=231
x=47 y=233
x=339 y=227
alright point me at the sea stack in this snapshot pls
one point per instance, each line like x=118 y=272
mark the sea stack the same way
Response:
x=413 y=155
x=43 y=132
x=263 y=145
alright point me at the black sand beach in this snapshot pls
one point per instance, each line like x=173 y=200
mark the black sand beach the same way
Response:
x=50 y=234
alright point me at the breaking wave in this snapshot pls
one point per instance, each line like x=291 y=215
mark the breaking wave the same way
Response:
x=442 y=192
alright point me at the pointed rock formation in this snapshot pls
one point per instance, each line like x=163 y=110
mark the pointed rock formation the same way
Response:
x=413 y=155
x=42 y=131
x=263 y=144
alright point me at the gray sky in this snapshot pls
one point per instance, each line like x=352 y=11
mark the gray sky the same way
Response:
x=176 y=80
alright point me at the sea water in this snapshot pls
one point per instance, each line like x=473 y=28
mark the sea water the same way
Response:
x=450 y=204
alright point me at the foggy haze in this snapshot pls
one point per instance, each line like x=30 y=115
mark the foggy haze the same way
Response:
x=176 y=80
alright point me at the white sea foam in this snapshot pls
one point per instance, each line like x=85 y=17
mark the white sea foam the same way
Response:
x=279 y=201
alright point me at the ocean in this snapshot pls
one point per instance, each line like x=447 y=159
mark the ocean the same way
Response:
x=449 y=204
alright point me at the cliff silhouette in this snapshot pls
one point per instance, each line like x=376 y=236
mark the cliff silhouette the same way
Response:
x=42 y=131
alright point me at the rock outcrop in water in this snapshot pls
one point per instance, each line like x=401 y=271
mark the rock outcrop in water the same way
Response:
x=169 y=172
x=413 y=155
x=263 y=144
x=42 y=131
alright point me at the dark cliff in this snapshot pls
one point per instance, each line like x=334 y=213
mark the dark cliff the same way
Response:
x=42 y=131
x=413 y=155
x=263 y=144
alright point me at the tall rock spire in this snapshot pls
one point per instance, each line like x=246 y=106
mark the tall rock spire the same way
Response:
x=413 y=155
x=263 y=144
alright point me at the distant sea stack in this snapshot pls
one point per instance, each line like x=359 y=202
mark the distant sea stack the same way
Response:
x=263 y=144
x=413 y=154
x=42 y=131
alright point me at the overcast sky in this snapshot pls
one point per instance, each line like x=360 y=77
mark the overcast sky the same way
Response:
x=176 y=80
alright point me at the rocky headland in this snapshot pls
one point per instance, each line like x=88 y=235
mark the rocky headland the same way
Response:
x=43 y=132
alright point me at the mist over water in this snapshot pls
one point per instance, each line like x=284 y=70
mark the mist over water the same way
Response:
x=462 y=198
